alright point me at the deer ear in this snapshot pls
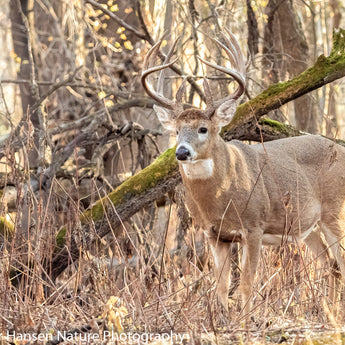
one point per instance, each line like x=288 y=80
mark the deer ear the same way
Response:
x=165 y=118
x=225 y=113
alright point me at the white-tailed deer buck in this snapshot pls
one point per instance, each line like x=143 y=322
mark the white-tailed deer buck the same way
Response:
x=286 y=190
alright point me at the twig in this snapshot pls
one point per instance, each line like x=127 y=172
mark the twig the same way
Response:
x=56 y=86
x=117 y=19
x=118 y=93
x=147 y=37
x=16 y=141
x=194 y=16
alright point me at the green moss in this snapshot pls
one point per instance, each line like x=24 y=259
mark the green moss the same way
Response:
x=6 y=228
x=61 y=238
x=338 y=42
x=280 y=127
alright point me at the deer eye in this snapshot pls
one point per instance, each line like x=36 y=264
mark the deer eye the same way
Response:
x=202 y=130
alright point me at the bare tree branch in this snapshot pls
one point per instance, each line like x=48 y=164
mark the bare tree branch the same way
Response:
x=147 y=37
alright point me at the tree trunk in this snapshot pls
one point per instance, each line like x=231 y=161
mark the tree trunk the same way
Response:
x=20 y=44
x=253 y=32
x=10 y=102
x=272 y=59
x=286 y=51
x=296 y=48
x=332 y=118
x=24 y=47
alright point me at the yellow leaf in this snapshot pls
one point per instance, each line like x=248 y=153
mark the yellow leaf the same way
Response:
x=117 y=45
x=96 y=25
x=120 y=30
x=263 y=3
x=114 y=8
x=128 y=10
x=118 y=325
x=50 y=38
x=123 y=36
x=104 y=41
x=101 y=94
x=113 y=313
x=128 y=45
x=110 y=2
x=108 y=103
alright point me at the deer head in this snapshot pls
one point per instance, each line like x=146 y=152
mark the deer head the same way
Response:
x=195 y=128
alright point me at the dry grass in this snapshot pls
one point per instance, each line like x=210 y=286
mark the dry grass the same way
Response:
x=290 y=299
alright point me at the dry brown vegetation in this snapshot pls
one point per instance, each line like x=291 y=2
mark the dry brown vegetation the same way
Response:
x=75 y=124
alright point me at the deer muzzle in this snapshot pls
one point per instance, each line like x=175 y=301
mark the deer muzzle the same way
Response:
x=182 y=153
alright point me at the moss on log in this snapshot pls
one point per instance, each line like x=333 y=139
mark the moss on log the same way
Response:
x=325 y=70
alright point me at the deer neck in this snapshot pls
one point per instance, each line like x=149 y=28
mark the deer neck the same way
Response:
x=228 y=169
x=201 y=169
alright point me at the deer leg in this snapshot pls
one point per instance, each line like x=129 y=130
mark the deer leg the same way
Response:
x=250 y=259
x=318 y=247
x=320 y=250
x=335 y=241
x=222 y=264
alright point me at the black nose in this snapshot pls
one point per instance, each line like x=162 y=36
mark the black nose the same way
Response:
x=182 y=153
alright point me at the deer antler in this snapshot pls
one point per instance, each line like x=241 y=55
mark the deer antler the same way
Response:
x=148 y=69
x=232 y=49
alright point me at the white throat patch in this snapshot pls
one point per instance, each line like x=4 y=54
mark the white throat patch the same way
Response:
x=199 y=169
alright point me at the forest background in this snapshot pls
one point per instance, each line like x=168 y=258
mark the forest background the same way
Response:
x=93 y=229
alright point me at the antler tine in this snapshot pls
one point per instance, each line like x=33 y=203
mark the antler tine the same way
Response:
x=147 y=71
x=234 y=73
x=229 y=49
x=153 y=50
x=233 y=51
x=237 y=50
